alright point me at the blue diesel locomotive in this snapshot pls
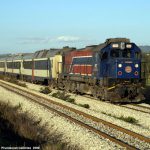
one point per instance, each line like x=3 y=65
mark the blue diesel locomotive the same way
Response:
x=109 y=71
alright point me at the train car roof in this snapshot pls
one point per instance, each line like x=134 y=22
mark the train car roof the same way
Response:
x=28 y=56
x=17 y=56
x=46 y=53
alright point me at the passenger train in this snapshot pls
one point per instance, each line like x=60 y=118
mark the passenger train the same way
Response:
x=109 y=71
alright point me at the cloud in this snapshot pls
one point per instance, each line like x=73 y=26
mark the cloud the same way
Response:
x=68 y=38
x=46 y=40
x=33 y=40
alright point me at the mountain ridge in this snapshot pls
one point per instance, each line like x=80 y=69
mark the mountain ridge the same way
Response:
x=145 y=48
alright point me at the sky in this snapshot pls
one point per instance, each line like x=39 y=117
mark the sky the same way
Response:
x=31 y=25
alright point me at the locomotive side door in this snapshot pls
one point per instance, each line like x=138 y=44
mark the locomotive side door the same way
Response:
x=104 y=65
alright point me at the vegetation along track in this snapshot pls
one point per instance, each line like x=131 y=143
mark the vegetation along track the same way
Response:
x=135 y=107
x=123 y=137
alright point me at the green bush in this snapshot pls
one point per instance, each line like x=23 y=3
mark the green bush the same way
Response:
x=128 y=119
x=70 y=100
x=54 y=95
x=67 y=98
x=63 y=96
x=46 y=90
x=84 y=105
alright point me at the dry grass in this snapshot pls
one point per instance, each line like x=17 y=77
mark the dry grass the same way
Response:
x=12 y=80
x=23 y=125
x=31 y=128
x=15 y=81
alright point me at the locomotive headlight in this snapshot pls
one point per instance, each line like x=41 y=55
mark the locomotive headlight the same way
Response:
x=128 y=46
x=136 y=65
x=119 y=65
x=115 y=45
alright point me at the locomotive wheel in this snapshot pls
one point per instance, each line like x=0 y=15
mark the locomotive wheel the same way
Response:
x=121 y=91
x=73 y=87
x=94 y=92
x=67 y=86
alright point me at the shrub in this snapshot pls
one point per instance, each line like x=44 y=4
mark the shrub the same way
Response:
x=54 y=95
x=70 y=100
x=46 y=90
x=63 y=96
x=22 y=84
x=15 y=81
x=128 y=119
x=84 y=105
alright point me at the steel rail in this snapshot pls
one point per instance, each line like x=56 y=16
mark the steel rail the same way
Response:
x=140 y=106
x=125 y=106
x=136 y=109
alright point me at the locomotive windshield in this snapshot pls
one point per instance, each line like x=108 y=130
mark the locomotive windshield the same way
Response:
x=126 y=53
x=115 y=53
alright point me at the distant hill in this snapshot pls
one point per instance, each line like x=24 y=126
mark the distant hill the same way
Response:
x=145 y=48
x=4 y=55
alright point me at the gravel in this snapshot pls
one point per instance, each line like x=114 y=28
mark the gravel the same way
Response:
x=110 y=131
x=97 y=107
x=113 y=132
x=72 y=133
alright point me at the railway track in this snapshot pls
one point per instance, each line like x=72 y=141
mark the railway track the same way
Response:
x=140 y=106
x=123 y=137
x=137 y=107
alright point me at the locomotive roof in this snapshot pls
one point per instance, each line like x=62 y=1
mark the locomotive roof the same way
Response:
x=115 y=40
x=107 y=42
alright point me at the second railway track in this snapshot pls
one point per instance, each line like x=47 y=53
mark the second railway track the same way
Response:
x=123 y=137
x=135 y=107
x=139 y=108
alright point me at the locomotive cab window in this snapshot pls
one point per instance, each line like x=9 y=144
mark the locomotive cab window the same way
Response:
x=137 y=55
x=114 y=53
x=105 y=56
x=126 y=53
